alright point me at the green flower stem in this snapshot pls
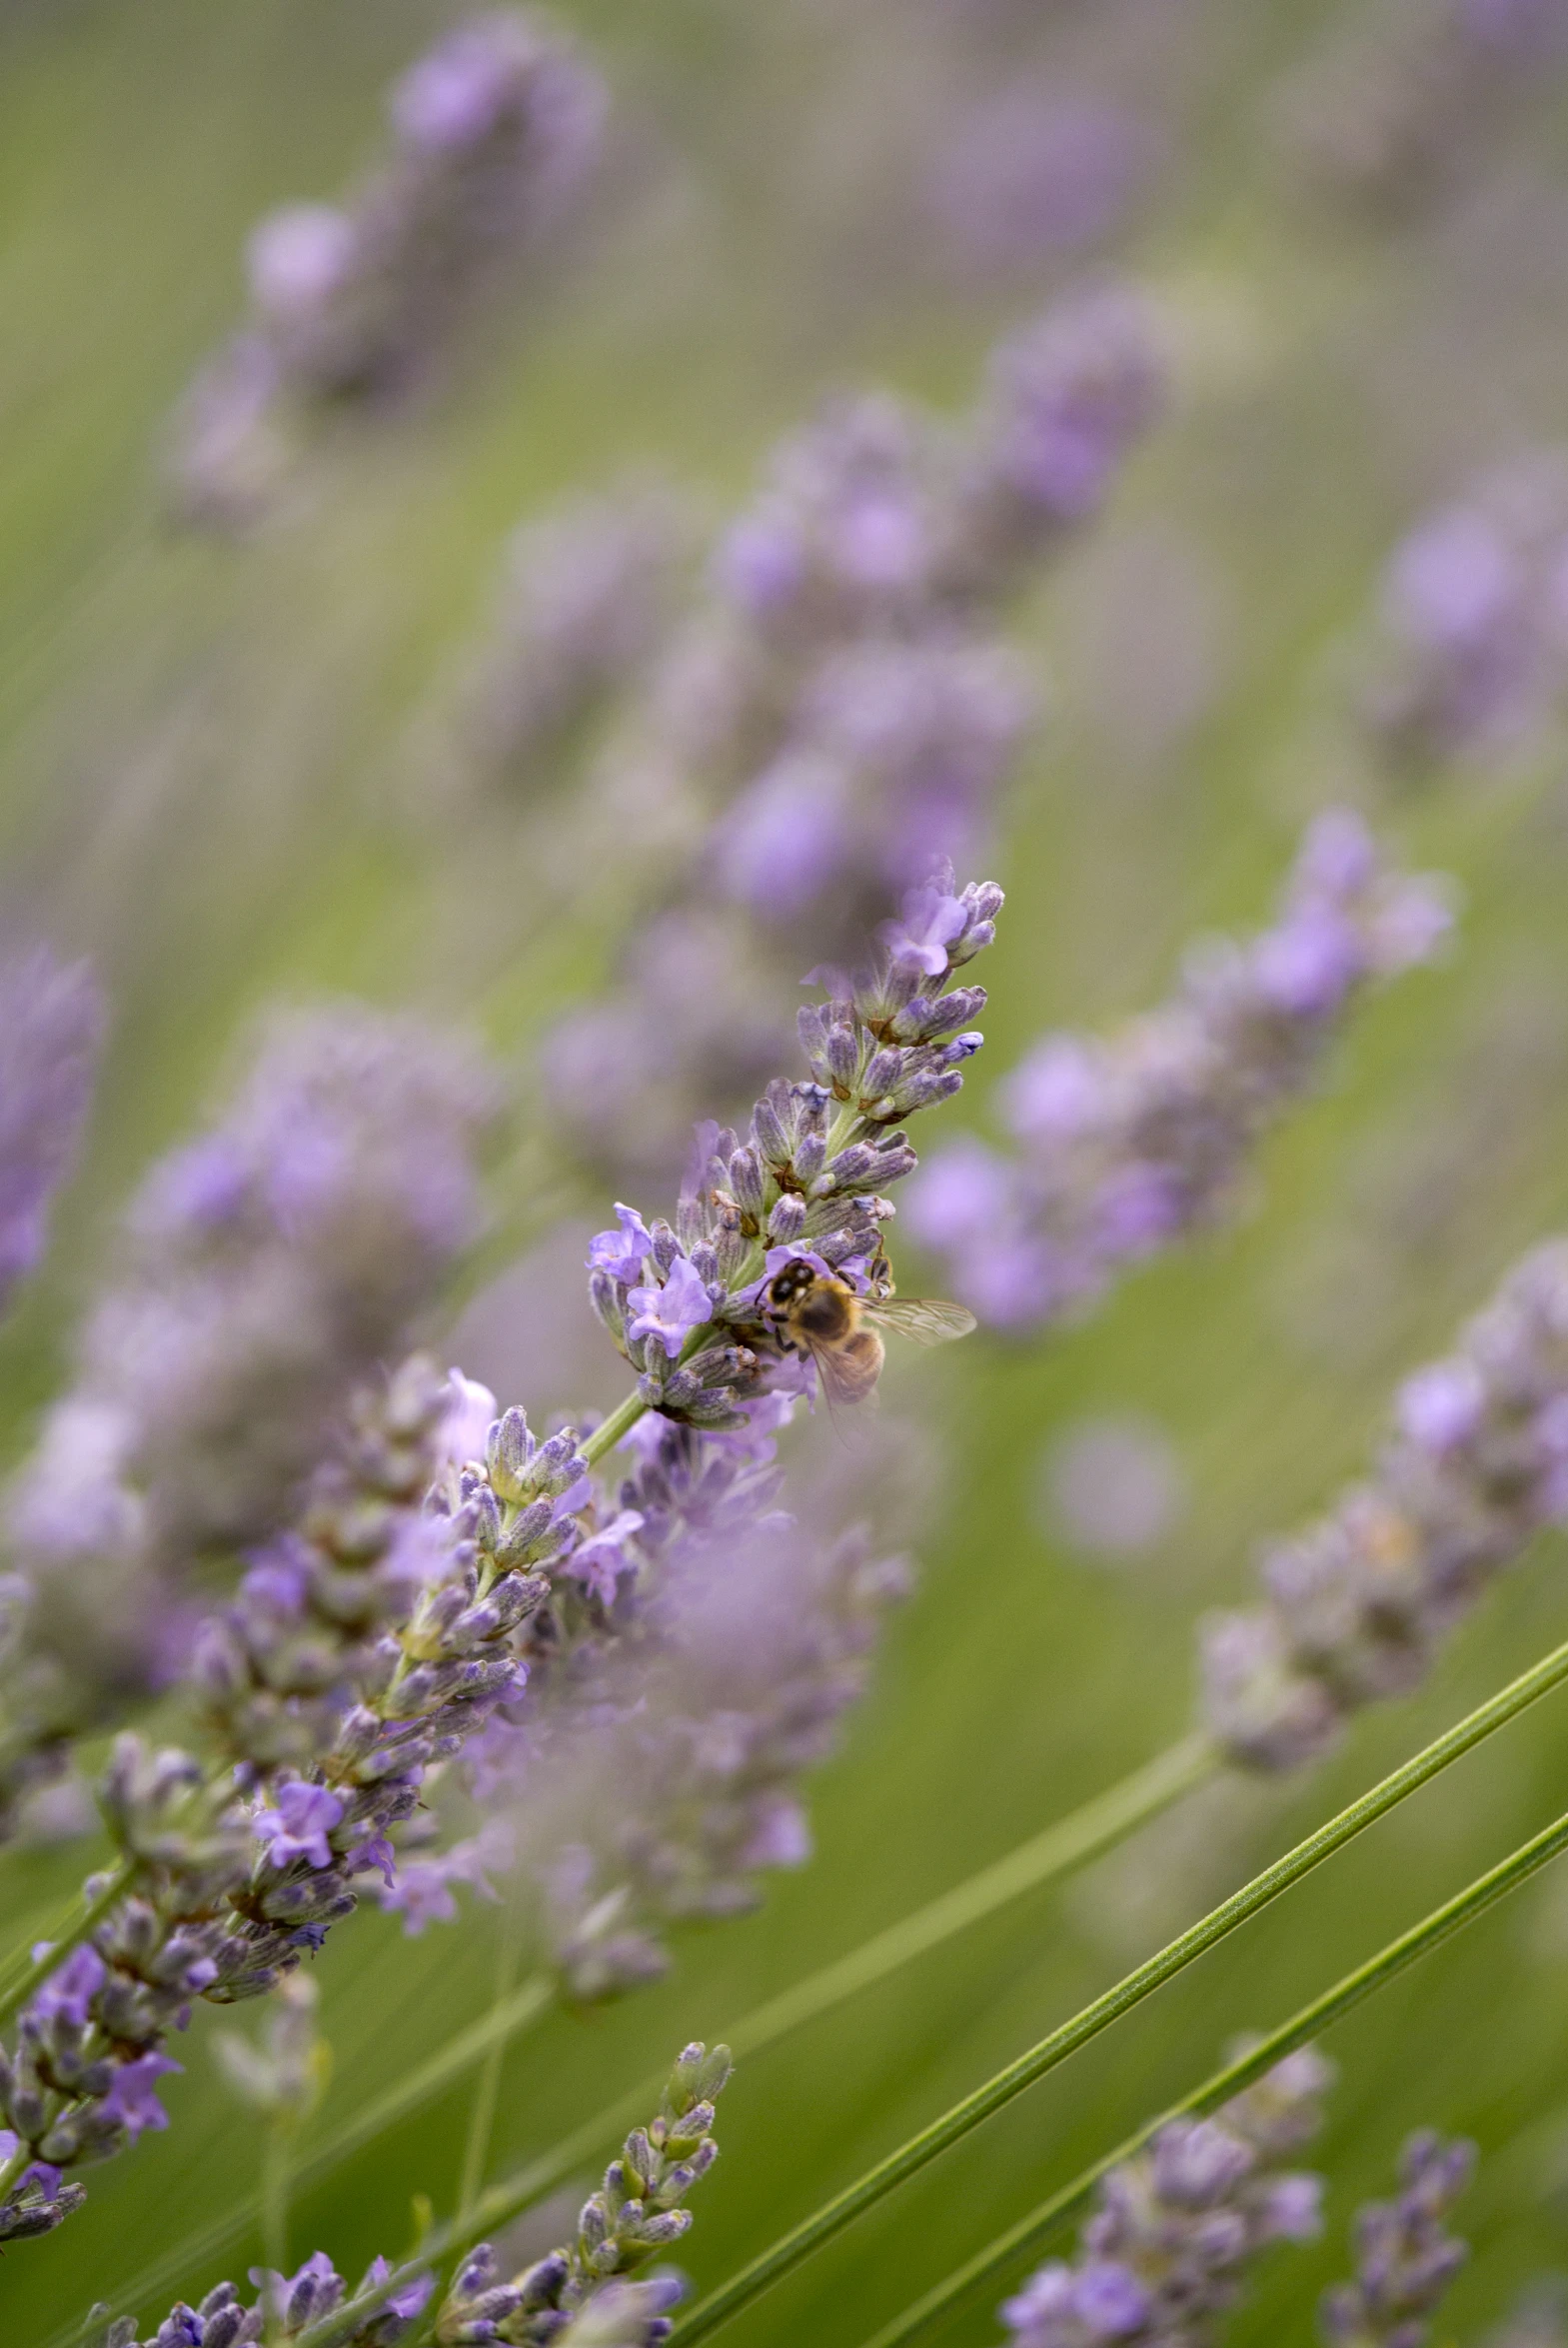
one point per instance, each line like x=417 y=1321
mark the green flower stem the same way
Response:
x=1058 y=1850
x=276 y=2166
x=1021 y=2240
x=610 y=1430
x=487 y=2088
x=784 y=2255
x=505 y=2201
x=23 y=1976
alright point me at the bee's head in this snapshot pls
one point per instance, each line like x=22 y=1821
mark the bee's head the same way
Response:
x=789 y=1284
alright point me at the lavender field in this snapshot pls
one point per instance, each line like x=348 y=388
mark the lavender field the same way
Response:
x=783 y=1086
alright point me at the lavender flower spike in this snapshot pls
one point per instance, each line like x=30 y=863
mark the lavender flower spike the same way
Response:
x=1127 y=1143
x=270 y=1266
x=1405 y=2260
x=1358 y=1604
x=1166 y=2252
x=51 y=1029
x=285 y=2307
x=1474 y=651
x=493 y=132
x=812 y=1174
x=581 y=2294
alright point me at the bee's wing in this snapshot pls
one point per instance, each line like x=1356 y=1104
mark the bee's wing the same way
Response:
x=927 y=1321
x=839 y=1389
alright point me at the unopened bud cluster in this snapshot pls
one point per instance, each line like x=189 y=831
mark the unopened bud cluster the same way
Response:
x=285 y=2308
x=1169 y=2247
x=582 y=2294
x=1405 y=2257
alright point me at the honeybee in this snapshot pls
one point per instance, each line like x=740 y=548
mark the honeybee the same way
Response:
x=838 y=1328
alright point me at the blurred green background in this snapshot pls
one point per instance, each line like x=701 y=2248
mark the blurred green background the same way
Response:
x=210 y=781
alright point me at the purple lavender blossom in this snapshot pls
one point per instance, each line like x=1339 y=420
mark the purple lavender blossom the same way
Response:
x=1127 y=1143
x=581 y=2295
x=285 y=2305
x=494 y=132
x=297 y=1828
x=622 y=1252
x=891 y=767
x=132 y=2100
x=1360 y=1603
x=326 y=1693
x=1166 y=2252
x=670 y=1312
x=51 y=1029
x=421 y=1889
x=1405 y=2260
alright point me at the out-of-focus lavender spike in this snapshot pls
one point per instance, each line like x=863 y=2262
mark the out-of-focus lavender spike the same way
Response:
x=1360 y=1603
x=1473 y=656
x=50 y=1031
x=893 y=766
x=1168 y=2249
x=1405 y=2260
x=271 y=1266
x=842 y=540
x=274 y=1262
x=1125 y=1144
x=1393 y=109
x=494 y=131
x=842 y=705
x=588 y=595
x=1067 y=399
x=668 y=1779
x=1032 y=173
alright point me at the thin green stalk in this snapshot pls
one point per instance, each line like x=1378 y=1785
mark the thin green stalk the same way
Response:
x=275 y=2162
x=1058 y=1850
x=503 y=2201
x=1031 y=2232
x=497 y=2027
x=487 y=2087
x=784 y=2256
x=610 y=1430
x=21 y=1979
